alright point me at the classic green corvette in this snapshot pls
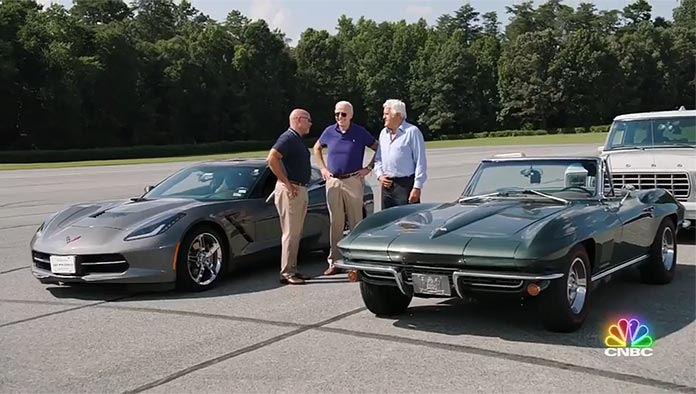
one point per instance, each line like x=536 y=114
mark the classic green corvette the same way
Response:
x=547 y=227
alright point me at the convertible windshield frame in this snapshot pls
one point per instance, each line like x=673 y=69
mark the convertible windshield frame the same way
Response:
x=658 y=130
x=594 y=192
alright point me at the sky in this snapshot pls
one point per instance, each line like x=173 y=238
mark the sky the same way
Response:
x=294 y=16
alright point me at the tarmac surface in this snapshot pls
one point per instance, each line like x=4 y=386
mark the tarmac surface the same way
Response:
x=252 y=334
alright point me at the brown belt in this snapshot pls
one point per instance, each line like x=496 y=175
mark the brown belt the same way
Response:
x=344 y=176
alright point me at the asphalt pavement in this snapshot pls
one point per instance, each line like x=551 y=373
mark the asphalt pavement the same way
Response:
x=251 y=334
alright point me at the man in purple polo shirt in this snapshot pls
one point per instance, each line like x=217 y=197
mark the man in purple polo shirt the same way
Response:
x=344 y=173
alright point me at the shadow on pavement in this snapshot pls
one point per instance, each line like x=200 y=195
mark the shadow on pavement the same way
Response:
x=665 y=309
x=250 y=278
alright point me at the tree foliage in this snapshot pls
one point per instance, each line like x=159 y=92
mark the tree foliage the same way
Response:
x=106 y=73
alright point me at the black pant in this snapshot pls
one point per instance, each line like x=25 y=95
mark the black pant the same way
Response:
x=398 y=193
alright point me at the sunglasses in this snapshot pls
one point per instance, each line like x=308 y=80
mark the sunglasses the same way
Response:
x=340 y=114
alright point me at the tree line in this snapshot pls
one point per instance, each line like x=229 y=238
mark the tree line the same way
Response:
x=105 y=73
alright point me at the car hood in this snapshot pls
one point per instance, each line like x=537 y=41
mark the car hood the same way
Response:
x=119 y=214
x=654 y=159
x=455 y=228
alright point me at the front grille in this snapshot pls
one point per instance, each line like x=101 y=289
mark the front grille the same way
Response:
x=678 y=184
x=87 y=264
x=491 y=282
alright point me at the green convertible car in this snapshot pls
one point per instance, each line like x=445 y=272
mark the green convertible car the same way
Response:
x=547 y=227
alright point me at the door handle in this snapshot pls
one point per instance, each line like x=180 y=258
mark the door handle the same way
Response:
x=649 y=209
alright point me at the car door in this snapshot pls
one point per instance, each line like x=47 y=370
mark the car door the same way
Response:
x=317 y=224
x=267 y=223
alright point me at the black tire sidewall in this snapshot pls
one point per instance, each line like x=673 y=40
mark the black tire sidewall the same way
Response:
x=556 y=309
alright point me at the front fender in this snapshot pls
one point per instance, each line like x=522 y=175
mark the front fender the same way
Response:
x=382 y=218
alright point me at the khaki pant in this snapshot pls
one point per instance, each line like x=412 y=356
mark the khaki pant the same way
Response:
x=344 y=198
x=292 y=212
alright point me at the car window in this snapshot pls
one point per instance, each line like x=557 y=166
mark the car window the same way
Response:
x=673 y=131
x=208 y=182
x=316 y=176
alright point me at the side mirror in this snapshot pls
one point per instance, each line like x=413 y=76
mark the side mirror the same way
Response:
x=148 y=188
x=600 y=149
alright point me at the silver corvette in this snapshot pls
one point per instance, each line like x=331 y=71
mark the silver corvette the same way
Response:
x=190 y=229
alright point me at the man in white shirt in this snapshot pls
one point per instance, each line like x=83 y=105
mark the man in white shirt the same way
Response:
x=400 y=163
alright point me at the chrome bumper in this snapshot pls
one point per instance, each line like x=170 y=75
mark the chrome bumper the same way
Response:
x=406 y=289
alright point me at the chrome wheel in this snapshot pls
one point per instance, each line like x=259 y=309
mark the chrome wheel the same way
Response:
x=204 y=259
x=667 y=248
x=577 y=285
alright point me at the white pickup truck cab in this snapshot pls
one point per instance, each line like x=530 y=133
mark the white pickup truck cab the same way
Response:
x=655 y=150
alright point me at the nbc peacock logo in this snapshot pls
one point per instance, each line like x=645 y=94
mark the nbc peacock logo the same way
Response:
x=628 y=337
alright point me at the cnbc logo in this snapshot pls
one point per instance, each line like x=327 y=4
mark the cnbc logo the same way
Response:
x=628 y=337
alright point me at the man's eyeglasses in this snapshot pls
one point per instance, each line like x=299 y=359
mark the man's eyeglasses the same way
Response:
x=340 y=114
x=308 y=119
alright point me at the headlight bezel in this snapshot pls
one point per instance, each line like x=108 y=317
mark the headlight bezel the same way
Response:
x=155 y=228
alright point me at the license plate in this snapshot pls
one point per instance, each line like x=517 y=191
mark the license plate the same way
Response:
x=63 y=264
x=431 y=284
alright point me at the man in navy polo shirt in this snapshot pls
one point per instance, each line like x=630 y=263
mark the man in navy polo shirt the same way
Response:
x=291 y=198
x=344 y=173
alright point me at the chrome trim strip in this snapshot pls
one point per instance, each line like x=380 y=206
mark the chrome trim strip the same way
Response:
x=480 y=274
x=619 y=267
x=105 y=262
x=367 y=267
x=518 y=284
x=521 y=277
x=42 y=260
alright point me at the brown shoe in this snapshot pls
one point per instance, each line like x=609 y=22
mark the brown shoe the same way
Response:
x=333 y=270
x=291 y=280
x=302 y=276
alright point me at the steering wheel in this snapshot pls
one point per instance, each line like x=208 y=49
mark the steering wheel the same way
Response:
x=578 y=188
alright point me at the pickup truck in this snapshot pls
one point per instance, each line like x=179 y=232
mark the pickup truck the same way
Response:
x=655 y=150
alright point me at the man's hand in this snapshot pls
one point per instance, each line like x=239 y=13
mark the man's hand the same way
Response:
x=387 y=183
x=414 y=197
x=292 y=189
x=363 y=172
x=325 y=173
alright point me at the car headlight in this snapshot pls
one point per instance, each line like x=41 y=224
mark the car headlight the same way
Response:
x=155 y=228
x=39 y=230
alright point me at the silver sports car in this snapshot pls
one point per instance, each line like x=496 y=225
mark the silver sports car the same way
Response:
x=190 y=229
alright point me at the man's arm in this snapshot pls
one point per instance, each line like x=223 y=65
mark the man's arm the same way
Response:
x=319 y=156
x=375 y=147
x=276 y=166
x=419 y=156
x=418 y=149
x=379 y=171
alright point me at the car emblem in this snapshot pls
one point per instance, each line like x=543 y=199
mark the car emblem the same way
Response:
x=68 y=239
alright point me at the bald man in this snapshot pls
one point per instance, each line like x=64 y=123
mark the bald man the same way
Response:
x=291 y=197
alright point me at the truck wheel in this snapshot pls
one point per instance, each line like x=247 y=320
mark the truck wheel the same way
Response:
x=566 y=302
x=384 y=300
x=662 y=260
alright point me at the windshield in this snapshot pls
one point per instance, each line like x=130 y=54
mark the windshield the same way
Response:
x=650 y=133
x=561 y=178
x=208 y=183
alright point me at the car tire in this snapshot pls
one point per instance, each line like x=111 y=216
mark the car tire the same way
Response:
x=384 y=300
x=662 y=258
x=566 y=300
x=189 y=276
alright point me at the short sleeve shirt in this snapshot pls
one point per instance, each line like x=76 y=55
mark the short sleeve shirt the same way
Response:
x=296 y=157
x=346 y=150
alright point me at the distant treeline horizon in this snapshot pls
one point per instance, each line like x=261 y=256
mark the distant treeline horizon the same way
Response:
x=106 y=73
